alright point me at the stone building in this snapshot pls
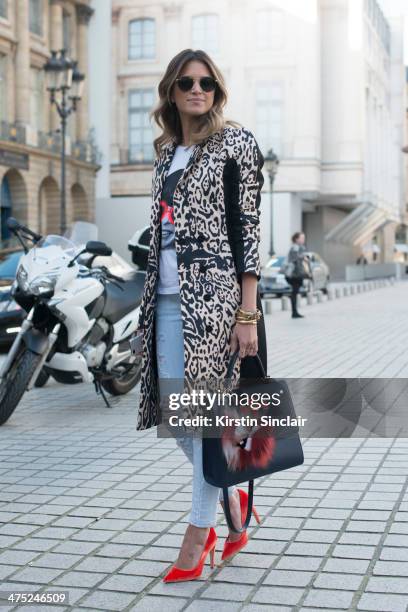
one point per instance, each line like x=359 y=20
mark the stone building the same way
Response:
x=30 y=139
x=319 y=81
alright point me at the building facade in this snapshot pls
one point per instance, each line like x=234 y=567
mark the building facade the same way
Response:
x=362 y=199
x=30 y=138
x=318 y=81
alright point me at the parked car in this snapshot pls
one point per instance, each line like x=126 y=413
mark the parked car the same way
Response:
x=273 y=281
x=11 y=314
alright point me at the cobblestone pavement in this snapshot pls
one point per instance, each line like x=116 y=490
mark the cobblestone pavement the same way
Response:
x=359 y=335
x=89 y=505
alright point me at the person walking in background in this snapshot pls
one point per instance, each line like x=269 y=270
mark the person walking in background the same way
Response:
x=361 y=260
x=297 y=268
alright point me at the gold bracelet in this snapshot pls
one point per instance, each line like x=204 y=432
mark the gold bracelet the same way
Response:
x=245 y=315
x=245 y=322
x=247 y=311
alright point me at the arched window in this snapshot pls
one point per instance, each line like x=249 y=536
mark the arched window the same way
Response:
x=205 y=34
x=142 y=39
x=5 y=208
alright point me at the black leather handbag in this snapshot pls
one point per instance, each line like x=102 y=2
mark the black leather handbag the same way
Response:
x=242 y=452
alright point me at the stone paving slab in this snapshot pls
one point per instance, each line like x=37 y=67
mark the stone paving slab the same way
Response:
x=90 y=505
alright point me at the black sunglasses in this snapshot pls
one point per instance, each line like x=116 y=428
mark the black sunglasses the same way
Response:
x=186 y=83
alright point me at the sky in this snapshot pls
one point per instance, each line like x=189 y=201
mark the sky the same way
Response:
x=394 y=8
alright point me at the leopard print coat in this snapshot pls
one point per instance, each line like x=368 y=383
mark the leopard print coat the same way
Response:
x=216 y=220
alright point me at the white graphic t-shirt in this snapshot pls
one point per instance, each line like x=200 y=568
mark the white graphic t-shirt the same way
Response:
x=168 y=281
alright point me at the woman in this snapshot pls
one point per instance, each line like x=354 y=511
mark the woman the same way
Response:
x=297 y=267
x=203 y=265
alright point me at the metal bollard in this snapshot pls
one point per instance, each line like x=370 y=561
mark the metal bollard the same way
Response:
x=352 y=289
x=337 y=292
x=285 y=301
x=319 y=295
x=345 y=291
x=309 y=298
x=268 y=307
x=330 y=294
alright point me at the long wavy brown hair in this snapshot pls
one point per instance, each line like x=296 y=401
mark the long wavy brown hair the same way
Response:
x=166 y=113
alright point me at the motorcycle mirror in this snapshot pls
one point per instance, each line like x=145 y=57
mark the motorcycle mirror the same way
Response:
x=97 y=247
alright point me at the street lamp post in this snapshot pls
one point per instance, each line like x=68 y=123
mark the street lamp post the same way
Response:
x=63 y=78
x=271 y=165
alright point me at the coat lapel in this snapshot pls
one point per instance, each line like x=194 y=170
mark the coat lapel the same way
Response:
x=163 y=165
x=166 y=156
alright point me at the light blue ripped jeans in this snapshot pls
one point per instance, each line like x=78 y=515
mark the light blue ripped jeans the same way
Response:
x=170 y=364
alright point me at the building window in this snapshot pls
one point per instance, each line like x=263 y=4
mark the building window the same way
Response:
x=269 y=107
x=37 y=99
x=140 y=128
x=36 y=17
x=66 y=32
x=269 y=29
x=3 y=8
x=142 y=39
x=3 y=88
x=205 y=33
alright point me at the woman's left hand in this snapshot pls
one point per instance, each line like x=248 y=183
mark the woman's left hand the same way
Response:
x=244 y=337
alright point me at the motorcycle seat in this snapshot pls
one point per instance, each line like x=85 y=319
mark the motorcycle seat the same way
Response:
x=119 y=302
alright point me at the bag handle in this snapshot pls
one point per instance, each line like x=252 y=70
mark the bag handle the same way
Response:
x=227 y=510
x=233 y=359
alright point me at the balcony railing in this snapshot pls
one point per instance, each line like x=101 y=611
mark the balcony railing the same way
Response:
x=86 y=151
x=82 y=150
x=12 y=132
x=50 y=141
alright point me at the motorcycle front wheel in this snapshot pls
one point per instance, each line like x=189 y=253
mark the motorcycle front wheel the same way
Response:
x=123 y=384
x=15 y=383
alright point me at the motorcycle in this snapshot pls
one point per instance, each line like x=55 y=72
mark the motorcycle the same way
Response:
x=79 y=323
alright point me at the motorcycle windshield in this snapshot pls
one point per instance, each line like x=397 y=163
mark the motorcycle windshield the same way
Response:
x=63 y=243
x=82 y=231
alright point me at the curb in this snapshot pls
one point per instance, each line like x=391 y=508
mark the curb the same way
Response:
x=347 y=290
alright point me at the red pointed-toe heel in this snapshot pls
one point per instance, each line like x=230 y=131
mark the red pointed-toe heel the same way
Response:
x=231 y=548
x=176 y=574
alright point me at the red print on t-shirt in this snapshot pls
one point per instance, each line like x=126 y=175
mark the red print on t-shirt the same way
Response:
x=167 y=211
